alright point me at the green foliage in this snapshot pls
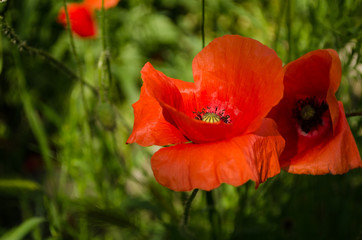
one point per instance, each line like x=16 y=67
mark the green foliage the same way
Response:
x=62 y=137
x=18 y=185
x=20 y=232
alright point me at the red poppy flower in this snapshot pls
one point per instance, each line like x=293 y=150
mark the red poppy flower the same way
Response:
x=97 y=4
x=312 y=121
x=216 y=124
x=81 y=19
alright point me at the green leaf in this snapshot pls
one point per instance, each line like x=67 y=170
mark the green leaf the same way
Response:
x=18 y=185
x=23 y=229
x=32 y=115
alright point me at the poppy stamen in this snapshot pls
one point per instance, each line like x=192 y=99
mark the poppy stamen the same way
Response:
x=308 y=112
x=212 y=116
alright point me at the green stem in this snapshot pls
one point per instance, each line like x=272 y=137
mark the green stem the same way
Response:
x=77 y=60
x=213 y=216
x=203 y=24
x=188 y=207
x=105 y=52
x=354 y=114
x=89 y=126
x=103 y=24
x=101 y=86
x=32 y=115
x=22 y=45
x=289 y=27
x=240 y=214
x=103 y=56
x=279 y=24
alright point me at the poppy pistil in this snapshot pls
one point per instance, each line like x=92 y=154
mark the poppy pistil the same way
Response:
x=212 y=115
x=308 y=112
x=211 y=118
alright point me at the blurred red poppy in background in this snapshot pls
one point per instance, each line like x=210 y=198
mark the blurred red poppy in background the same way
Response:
x=81 y=17
x=312 y=121
x=216 y=125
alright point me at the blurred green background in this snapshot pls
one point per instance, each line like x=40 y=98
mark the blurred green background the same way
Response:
x=65 y=170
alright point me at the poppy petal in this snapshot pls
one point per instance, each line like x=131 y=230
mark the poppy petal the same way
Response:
x=282 y=115
x=178 y=107
x=161 y=87
x=337 y=155
x=81 y=19
x=335 y=74
x=150 y=127
x=235 y=161
x=174 y=96
x=97 y=4
x=242 y=72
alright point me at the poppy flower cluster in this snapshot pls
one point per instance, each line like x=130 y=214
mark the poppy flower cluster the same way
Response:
x=244 y=117
x=81 y=16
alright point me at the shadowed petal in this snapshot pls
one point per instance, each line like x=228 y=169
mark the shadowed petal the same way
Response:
x=337 y=154
x=317 y=73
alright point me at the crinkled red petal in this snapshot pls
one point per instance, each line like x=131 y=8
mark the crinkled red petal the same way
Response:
x=235 y=161
x=150 y=127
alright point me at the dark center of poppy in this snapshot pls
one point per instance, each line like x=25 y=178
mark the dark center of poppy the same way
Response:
x=210 y=115
x=308 y=112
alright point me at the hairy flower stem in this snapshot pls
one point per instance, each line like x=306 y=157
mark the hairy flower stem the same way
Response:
x=89 y=126
x=22 y=46
x=103 y=23
x=188 y=207
x=33 y=118
x=278 y=27
x=354 y=114
x=105 y=52
x=240 y=213
x=289 y=30
x=203 y=24
x=77 y=60
x=213 y=216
